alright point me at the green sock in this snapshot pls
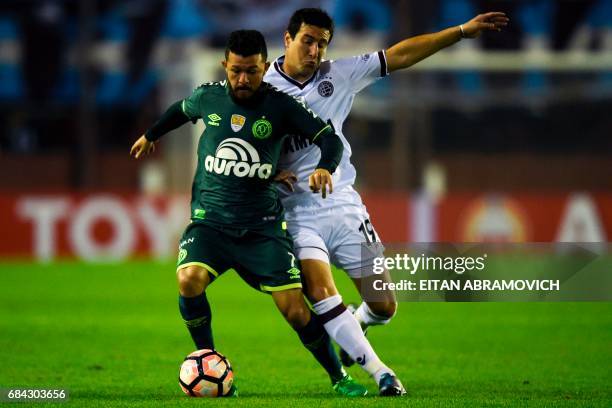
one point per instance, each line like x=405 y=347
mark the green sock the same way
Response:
x=198 y=317
x=317 y=341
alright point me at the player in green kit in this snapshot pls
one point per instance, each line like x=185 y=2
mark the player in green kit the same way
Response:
x=236 y=216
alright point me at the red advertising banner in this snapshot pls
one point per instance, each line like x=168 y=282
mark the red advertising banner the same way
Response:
x=570 y=217
x=390 y=215
x=103 y=227
x=113 y=227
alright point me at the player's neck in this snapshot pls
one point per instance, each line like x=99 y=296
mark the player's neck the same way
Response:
x=294 y=74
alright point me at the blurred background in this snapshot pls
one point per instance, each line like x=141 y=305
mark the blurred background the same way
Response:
x=504 y=138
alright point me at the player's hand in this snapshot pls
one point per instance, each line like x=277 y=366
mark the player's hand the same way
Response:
x=493 y=21
x=142 y=147
x=321 y=180
x=286 y=178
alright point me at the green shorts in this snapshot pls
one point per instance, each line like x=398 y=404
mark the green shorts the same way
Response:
x=263 y=258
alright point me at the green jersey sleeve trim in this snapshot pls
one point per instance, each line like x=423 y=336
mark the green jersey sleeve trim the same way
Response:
x=183 y=108
x=321 y=131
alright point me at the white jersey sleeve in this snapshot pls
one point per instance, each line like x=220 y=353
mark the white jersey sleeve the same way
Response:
x=364 y=69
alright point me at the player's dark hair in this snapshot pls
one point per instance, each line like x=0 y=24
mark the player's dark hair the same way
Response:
x=246 y=43
x=311 y=16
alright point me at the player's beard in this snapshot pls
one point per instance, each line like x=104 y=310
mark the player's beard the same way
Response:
x=242 y=92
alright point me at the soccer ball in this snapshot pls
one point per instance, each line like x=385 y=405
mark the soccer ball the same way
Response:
x=206 y=373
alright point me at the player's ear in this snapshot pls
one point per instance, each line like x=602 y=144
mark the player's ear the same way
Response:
x=267 y=66
x=224 y=63
x=287 y=39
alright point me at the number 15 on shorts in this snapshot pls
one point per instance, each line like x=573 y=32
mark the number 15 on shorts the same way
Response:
x=368 y=232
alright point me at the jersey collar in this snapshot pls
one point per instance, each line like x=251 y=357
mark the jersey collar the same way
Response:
x=277 y=66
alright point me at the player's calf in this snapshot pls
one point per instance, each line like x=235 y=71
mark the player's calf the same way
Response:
x=384 y=311
x=369 y=314
x=338 y=321
x=314 y=337
x=194 y=306
x=344 y=329
x=374 y=313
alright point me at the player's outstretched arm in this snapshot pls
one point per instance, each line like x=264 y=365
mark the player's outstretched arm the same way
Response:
x=331 y=153
x=170 y=120
x=412 y=50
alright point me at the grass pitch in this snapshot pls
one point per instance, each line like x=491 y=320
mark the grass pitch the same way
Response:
x=112 y=336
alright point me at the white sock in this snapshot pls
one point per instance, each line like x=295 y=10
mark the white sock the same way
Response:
x=366 y=317
x=344 y=329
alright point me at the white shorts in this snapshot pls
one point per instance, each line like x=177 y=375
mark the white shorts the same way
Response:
x=334 y=231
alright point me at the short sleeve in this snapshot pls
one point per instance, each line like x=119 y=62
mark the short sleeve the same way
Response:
x=191 y=106
x=303 y=121
x=363 y=70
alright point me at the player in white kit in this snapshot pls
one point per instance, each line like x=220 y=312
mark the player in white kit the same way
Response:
x=332 y=230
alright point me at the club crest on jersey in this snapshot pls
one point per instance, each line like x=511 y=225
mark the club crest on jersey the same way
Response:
x=262 y=128
x=181 y=256
x=326 y=89
x=237 y=122
x=238 y=157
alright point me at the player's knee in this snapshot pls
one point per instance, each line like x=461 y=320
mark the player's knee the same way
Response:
x=297 y=317
x=191 y=280
x=317 y=293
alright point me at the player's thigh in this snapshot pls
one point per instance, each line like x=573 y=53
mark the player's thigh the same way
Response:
x=308 y=241
x=265 y=260
x=203 y=256
x=354 y=243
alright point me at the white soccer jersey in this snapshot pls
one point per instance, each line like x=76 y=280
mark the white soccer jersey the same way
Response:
x=329 y=93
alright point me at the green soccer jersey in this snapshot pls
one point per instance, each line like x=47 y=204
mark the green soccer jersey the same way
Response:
x=239 y=150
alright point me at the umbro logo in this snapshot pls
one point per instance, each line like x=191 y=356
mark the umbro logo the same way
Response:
x=213 y=119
